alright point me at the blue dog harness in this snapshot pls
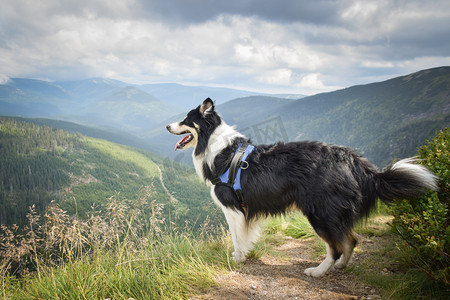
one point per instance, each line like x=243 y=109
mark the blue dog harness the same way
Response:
x=232 y=176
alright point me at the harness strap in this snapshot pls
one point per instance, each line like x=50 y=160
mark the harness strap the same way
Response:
x=236 y=164
x=216 y=181
x=231 y=178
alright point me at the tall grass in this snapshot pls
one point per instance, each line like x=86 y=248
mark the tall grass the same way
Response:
x=118 y=253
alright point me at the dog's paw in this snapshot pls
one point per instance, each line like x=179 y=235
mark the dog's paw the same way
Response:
x=341 y=264
x=314 y=272
x=238 y=256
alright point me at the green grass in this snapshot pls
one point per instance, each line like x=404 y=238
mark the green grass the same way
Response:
x=386 y=267
x=172 y=268
x=297 y=226
x=125 y=154
x=118 y=253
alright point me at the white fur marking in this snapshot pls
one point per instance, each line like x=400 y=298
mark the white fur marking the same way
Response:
x=346 y=256
x=423 y=174
x=219 y=140
x=242 y=235
x=323 y=267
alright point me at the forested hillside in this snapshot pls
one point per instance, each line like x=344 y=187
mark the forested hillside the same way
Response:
x=39 y=164
x=383 y=120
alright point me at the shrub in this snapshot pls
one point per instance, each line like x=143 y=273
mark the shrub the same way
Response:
x=423 y=223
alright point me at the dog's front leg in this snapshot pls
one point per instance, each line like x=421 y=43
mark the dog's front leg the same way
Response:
x=236 y=223
x=239 y=229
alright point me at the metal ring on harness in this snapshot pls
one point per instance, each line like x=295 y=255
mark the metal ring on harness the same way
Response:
x=244 y=165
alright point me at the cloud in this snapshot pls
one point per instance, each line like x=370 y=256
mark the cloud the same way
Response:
x=311 y=81
x=4 y=79
x=290 y=46
x=181 y=12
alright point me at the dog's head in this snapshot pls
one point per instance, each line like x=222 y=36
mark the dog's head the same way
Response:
x=198 y=124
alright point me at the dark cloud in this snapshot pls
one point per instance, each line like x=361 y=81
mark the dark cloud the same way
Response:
x=199 y=11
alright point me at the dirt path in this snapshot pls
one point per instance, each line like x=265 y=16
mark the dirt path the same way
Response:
x=171 y=197
x=282 y=277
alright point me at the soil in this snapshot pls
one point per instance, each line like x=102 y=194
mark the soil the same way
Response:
x=282 y=277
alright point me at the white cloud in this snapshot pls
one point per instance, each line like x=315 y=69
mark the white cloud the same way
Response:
x=362 y=10
x=277 y=77
x=311 y=81
x=300 y=47
x=377 y=64
x=4 y=79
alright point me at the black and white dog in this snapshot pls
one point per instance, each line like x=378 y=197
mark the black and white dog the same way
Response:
x=332 y=185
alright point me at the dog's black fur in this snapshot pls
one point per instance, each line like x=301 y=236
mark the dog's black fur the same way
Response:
x=332 y=185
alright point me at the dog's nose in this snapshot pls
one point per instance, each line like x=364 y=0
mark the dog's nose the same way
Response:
x=168 y=127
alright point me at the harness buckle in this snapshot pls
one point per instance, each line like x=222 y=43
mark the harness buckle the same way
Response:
x=244 y=165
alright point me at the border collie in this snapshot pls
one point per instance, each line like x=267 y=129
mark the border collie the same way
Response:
x=332 y=185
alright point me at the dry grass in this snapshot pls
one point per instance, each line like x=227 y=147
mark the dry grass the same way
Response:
x=128 y=250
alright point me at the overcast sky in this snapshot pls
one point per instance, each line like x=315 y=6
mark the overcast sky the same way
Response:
x=267 y=45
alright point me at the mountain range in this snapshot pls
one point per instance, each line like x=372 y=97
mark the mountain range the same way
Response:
x=106 y=103
x=383 y=120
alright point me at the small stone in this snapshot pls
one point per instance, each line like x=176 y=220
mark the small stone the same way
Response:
x=253 y=287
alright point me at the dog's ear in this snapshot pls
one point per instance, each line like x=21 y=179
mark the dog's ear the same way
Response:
x=207 y=107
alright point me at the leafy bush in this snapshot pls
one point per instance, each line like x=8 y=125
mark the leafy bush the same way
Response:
x=423 y=224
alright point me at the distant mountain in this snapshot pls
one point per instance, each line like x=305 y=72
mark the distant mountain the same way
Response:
x=249 y=111
x=383 y=120
x=106 y=103
x=92 y=89
x=186 y=97
x=25 y=97
x=130 y=108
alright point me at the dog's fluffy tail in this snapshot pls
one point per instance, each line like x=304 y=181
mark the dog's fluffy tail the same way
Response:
x=405 y=179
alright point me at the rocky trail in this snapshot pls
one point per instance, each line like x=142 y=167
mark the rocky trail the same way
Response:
x=282 y=277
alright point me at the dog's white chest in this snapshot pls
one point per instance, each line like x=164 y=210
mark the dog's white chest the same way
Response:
x=198 y=165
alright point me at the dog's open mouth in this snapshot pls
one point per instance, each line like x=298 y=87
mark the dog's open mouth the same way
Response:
x=184 y=141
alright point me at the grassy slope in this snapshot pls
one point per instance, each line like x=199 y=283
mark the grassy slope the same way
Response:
x=106 y=169
x=91 y=171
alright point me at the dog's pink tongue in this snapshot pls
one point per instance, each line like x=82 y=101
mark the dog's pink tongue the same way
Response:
x=181 y=142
